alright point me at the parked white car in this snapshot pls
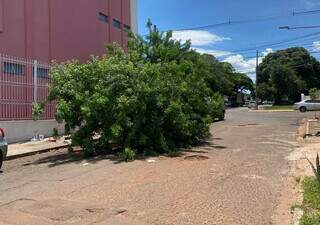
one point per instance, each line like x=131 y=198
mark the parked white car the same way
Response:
x=3 y=147
x=307 y=105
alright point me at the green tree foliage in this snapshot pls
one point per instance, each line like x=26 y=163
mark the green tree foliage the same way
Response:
x=265 y=91
x=314 y=93
x=287 y=73
x=223 y=79
x=154 y=98
x=37 y=110
x=241 y=82
x=127 y=155
x=284 y=82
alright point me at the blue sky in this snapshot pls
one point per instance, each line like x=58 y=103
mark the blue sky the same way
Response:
x=224 y=40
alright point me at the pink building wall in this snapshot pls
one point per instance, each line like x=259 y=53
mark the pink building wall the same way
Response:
x=61 y=29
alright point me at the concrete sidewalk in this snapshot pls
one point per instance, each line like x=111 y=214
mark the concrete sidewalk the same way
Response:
x=30 y=148
x=313 y=127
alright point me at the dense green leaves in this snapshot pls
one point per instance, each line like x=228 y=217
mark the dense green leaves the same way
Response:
x=285 y=74
x=314 y=93
x=37 y=110
x=155 y=98
x=223 y=79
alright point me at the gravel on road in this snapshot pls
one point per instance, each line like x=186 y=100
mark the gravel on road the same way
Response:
x=236 y=177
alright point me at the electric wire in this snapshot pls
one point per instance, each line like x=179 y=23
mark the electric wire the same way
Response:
x=251 y=20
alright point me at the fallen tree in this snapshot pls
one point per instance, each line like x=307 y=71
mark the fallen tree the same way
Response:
x=153 y=98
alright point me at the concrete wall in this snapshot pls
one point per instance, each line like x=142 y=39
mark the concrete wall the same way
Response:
x=17 y=131
x=305 y=97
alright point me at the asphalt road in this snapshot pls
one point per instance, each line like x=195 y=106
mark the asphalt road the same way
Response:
x=234 y=178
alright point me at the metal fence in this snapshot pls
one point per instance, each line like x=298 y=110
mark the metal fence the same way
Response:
x=23 y=82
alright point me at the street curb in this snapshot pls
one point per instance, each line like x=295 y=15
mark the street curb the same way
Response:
x=270 y=111
x=302 y=129
x=44 y=150
x=302 y=133
x=309 y=131
x=263 y=110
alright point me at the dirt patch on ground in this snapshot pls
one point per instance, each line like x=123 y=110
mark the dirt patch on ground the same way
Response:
x=298 y=169
x=248 y=125
x=239 y=183
x=289 y=196
x=196 y=157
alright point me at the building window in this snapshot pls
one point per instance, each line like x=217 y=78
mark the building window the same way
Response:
x=103 y=17
x=42 y=72
x=127 y=28
x=116 y=23
x=13 y=68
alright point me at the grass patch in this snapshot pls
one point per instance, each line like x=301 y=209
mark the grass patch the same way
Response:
x=127 y=155
x=278 y=107
x=310 y=219
x=311 y=195
x=311 y=202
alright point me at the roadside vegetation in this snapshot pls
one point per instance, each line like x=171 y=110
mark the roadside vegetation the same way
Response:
x=311 y=202
x=311 y=196
x=314 y=93
x=158 y=97
x=285 y=74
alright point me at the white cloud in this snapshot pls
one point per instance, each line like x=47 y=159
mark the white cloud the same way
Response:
x=221 y=53
x=310 y=3
x=252 y=76
x=316 y=45
x=239 y=63
x=216 y=53
x=267 y=51
x=247 y=66
x=242 y=65
x=198 y=37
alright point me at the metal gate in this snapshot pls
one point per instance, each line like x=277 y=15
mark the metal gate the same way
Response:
x=23 y=82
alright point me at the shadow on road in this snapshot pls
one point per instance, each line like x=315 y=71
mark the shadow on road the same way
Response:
x=210 y=145
x=62 y=157
x=65 y=157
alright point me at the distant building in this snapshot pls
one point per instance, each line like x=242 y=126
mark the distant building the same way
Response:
x=64 y=29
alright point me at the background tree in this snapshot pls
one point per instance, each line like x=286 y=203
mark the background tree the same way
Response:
x=242 y=82
x=223 y=78
x=314 y=93
x=265 y=92
x=283 y=82
x=295 y=68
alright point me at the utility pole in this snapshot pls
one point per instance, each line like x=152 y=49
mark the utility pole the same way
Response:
x=257 y=64
x=295 y=28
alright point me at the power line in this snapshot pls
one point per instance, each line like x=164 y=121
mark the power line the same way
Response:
x=251 y=55
x=308 y=12
x=252 y=20
x=271 y=44
x=246 y=21
x=314 y=52
x=314 y=38
x=286 y=42
x=305 y=45
x=296 y=28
